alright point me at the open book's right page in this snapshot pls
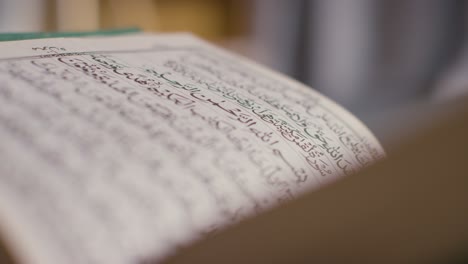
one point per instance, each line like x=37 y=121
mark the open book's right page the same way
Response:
x=116 y=149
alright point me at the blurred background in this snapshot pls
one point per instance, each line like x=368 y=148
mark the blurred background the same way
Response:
x=378 y=58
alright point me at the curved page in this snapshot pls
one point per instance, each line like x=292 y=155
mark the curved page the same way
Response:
x=120 y=148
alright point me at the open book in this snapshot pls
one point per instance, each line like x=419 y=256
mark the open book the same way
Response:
x=114 y=150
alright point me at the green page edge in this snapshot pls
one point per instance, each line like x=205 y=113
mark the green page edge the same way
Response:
x=37 y=35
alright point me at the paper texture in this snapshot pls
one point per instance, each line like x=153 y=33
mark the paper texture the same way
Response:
x=119 y=148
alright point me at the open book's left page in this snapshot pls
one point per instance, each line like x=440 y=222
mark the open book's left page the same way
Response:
x=113 y=150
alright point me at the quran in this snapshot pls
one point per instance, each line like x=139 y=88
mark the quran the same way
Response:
x=120 y=149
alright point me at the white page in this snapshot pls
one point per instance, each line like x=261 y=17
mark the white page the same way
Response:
x=117 y=149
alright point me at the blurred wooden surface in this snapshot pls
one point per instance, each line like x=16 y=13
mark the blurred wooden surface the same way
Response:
x=409 y=208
